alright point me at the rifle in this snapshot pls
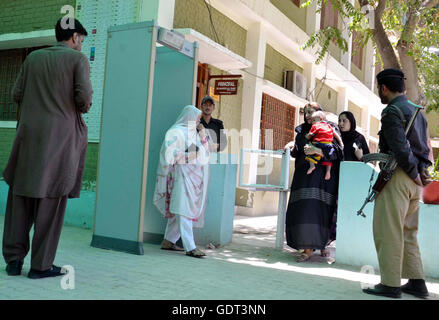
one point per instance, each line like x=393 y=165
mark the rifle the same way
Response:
x=389 y=167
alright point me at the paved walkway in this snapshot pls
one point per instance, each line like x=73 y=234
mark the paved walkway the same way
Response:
x=248 y=268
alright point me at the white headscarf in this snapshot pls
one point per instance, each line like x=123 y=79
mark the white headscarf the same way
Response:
x=182 y=134
x=178 y=139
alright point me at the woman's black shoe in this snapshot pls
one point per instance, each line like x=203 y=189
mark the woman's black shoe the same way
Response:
x=385 y=291
x=14 y=268
x=52 y=272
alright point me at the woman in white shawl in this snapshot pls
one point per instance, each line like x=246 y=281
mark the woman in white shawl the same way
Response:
x=182 y=181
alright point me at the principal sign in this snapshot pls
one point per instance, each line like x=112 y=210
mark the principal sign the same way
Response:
x=226 y=87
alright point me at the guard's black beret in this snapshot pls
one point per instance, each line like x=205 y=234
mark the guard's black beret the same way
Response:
x=388 y=74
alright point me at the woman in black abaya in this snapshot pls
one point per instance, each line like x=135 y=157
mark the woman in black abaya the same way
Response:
x=355 y=145
x=312 y=202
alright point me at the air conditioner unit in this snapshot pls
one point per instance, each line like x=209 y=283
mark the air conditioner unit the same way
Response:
x=295 y=82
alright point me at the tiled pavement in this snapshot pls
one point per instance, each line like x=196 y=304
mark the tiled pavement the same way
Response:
x=248 y=268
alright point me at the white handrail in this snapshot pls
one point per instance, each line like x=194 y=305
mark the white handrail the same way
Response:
x=283 y=188
x=284 y=176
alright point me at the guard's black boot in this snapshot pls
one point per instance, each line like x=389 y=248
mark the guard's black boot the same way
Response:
x=416 y=287
x=14 y=268
x=385 y=291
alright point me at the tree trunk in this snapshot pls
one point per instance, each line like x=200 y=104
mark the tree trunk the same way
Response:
x=408 y=63
x=413 y=90
x=384 y=46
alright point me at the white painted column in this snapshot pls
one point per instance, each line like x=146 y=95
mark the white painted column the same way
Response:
x=342 y=100
x=310 y=74
x=345 y=57
x=312 y=18
x=162 y=11
x=252 y=92
x=365 y=121
x=369 y=66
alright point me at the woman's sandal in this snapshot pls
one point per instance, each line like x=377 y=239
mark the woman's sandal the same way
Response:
x=168 y=245
x=303 y=257
x=196 y=253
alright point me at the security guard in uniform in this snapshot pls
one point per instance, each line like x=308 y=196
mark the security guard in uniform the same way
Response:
x=215 y=127
x=396 y=210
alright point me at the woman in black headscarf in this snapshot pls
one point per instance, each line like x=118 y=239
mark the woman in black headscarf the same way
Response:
x=355 y=145
x=312 y=202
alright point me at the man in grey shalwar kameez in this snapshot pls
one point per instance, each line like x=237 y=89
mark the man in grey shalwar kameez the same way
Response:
x=46 y=163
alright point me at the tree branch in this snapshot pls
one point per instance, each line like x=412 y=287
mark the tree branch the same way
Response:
x=410 y=26
x=408 y=63
x=386 y=50
x=429 y=4
x=380 y=9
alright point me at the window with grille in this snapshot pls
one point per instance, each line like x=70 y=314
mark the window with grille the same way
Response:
x=357 y=51
x=278 y=116
x=10 y=65
x=328 y=17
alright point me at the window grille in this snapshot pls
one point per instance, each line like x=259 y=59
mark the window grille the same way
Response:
x=279 y=117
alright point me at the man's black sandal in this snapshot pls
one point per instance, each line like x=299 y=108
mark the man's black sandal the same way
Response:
x=52 y=272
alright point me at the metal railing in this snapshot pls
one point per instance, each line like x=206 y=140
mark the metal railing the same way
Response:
x=282 y=188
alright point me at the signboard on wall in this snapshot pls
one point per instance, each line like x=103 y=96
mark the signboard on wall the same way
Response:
x=226 y=87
